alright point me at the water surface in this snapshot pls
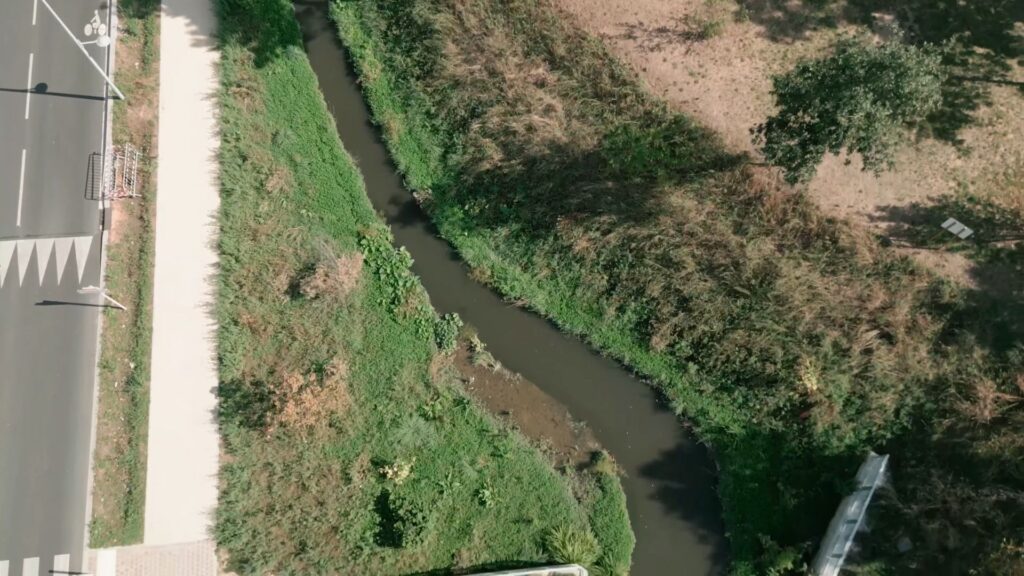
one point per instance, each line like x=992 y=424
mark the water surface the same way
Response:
x=669 y=478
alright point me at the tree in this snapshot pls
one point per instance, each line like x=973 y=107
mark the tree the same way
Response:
x=861 y=98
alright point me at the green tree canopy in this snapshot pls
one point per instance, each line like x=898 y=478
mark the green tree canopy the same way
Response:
x=861 y=98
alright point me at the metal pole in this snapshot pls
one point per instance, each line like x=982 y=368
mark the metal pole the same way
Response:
x=112 y=301
x=103 y=294
x=84 y=51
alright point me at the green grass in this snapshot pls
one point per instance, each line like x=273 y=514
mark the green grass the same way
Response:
x=794 y=343
x=122 y=413
x=350 y=446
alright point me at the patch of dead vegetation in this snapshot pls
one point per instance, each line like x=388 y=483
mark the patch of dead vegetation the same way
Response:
x=307 y=402
x=334 y=277
x=723 y=79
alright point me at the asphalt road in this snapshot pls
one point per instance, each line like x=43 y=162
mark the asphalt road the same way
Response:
x=51 y=120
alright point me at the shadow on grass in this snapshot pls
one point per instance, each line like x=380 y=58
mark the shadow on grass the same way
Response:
x=996 y=253
x=626 y=178
x=985 y=35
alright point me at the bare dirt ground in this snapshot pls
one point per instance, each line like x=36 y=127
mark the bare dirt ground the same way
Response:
x=713 y=59
x=541 y=418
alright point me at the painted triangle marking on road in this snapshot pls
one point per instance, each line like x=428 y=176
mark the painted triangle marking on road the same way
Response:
x=82 y=246
x=63 y=250
x=5 y=565
x=24 y=255
x=44 y=246
x=6 y=253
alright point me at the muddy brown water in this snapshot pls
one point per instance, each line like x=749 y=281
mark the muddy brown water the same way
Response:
x=669 y=479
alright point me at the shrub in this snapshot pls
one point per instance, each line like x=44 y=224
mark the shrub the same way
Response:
x=446 y=332
x=573 y=545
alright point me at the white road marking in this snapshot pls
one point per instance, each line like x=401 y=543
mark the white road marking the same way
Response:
x=21 y=185
x=28 y=85
x=24 y=255
x=62 y=563
x=4 y=564
x=44 y=246
x=30 y=567
x=35 y=8
x=6 y=253
x=63 y=250
x=82 y=246
x=106 y=562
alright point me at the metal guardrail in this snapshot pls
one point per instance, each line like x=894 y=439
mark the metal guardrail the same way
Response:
x=562 y=570
x=849 y=517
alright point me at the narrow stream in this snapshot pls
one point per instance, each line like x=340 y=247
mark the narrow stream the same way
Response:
x=669 y=479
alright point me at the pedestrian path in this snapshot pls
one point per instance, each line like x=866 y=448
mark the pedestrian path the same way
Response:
x=186 y=559
x=181 y=474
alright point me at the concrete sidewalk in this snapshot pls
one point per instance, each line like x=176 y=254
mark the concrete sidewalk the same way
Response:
x=186 y=559
x=181 y=477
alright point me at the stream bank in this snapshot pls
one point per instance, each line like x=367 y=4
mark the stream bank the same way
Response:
x=668 y=478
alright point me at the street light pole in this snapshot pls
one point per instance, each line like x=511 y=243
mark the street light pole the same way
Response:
x=103 y=293
x=81 y=47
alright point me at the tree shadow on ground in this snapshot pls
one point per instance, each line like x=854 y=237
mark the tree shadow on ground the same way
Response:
x=266 y=29
x=988 y=24
x=626 y=177
x=994 y=310
x=137 y=9
x=986 y=35
x=787 y=21
x=675 y=31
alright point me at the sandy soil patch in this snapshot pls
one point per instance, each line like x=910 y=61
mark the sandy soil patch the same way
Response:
x=541 y=418
x=713 y=59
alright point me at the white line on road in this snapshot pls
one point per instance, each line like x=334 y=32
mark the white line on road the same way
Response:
x=30 y=567
x=62 y=564
x=35 y=7
x=4 y=567
x=28 y=85
x=21 y=186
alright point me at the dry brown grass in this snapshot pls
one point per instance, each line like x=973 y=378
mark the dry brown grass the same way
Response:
x=724 y=80
x=334 y=277
x=305 y=403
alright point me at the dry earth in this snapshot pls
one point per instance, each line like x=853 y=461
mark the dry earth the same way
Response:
x=713 y=59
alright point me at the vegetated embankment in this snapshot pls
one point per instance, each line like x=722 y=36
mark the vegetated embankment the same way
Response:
x=350 y=446
x=793 y=342
x=119 y=468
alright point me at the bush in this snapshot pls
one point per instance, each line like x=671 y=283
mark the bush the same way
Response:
x=573 y=545
x=446 y=332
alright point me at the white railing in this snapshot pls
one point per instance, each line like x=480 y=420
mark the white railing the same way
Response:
x=849 y=517
x=563 y=570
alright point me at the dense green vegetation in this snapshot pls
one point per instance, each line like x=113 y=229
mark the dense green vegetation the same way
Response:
x=350 y=447
x=793 y=342
x=861 y=98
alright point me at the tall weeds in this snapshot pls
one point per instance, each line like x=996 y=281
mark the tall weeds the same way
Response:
x=795 y=343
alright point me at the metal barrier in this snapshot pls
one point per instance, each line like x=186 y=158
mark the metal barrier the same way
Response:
x=849 y=517
x=563 y=570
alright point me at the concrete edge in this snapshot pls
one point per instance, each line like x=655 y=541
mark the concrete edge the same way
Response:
x=106 y=145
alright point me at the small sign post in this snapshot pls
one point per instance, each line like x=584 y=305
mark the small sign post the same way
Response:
x=957 y=228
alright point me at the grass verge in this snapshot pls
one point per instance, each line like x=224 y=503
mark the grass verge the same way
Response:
x=349 y=445
x=120 y=457
x=794 y=342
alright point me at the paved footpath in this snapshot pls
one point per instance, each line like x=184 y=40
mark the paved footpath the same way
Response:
x=181 y=477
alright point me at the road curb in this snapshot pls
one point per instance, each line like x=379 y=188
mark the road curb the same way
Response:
x=106 y=145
